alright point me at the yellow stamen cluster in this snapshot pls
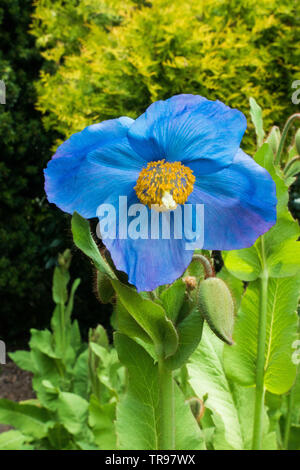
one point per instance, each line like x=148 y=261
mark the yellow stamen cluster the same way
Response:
x=163 y=179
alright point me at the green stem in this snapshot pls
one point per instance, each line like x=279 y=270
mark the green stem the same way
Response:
x=63 y=327
x=167 y=407
x=284 y=134
x=260 y=365
x=288 y=419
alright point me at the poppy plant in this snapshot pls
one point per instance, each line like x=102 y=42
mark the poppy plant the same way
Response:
x=184 y=150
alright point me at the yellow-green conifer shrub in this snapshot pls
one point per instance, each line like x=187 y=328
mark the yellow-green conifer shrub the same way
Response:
x=130 y=53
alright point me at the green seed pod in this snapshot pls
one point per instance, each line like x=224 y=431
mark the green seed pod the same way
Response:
x=216 y=305
x=297 y=141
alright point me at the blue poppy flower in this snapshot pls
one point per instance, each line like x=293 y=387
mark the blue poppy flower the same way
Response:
x=185 y=150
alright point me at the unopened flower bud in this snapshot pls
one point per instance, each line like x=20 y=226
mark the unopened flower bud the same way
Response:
x=216 y=305
x=103 y=288
x=274 y=138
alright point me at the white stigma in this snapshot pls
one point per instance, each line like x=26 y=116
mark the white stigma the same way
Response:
x=168 y=203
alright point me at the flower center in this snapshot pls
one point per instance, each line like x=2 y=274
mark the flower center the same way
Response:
x=162 y=185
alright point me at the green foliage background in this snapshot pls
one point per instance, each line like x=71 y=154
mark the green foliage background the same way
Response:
x=112 y=58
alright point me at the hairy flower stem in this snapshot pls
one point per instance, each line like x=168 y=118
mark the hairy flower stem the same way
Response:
x=260 y=364
x=167 y=407
x=288 y=124
x=208 y=268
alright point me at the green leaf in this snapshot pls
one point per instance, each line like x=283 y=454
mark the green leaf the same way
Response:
x=61 y=279
x=85 y=242
x=98 y=335
x=189 y=334
x=14 y=440
x=102 y=421
x=59 y=438
x=256 y=117
x=106 y=372
x=172 y=299
x=240 y=359
x=243 y=264
x=294 y=440
x=126 y=324
x=24 y=360
x=282 y=248
x=101 y=352
x=45 y=367
x=80 y=375
x=70 y=304
x=42 y=340
x=47 y=393
x=232 y=405
x=138 y=410
x=73 y=337
x=58 y=330
x=72 y=411
x=151 y=317
x=83 y=445
x=66 y=336
x=29 y=419
x=282 y=253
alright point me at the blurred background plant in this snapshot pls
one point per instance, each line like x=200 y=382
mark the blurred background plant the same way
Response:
x=76 y=383
x=111 y=58
x=76 y=62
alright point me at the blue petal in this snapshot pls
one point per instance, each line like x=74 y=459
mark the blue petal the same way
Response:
x=92 y=167
x=239 y=204
x=101 y=134
x=117 y=154
x=189 y=128
x=149 y=262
